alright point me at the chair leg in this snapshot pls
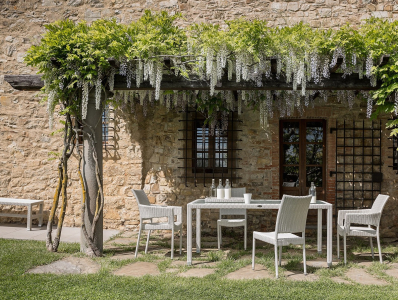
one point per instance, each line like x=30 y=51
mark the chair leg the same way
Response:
x=138 y=241
x=172 y=243
x=276 y=260
x=371 y=247
x=147 y=242
x=245 y=237
x=345 y=248
x=219 y=236
x=180 y=242
x=304 y=260
x=280 y=255
x=338 y=245
x=378 y=245
x=253 y=252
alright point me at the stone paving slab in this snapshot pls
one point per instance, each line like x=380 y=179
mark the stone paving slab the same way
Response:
x=121 y=256
x=69 y=265
x=321 y=263
x=197 y=272
x=362 y=277
x=138 y=269
x=299 y=276
x=392 y=272
x=259 y=272
x=178 y=263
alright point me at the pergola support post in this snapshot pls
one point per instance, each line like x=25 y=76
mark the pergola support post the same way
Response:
x=92 y=127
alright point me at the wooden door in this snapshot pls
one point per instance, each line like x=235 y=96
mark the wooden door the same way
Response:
x=302 y=157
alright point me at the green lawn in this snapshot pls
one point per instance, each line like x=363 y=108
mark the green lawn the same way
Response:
x=16 y=257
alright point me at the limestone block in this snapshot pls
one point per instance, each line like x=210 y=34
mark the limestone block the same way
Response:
x=111 y=214
x=9 y=39
x=92 y=15
x=49 y=3
x=381 y=14
x=168 y=4
x=388 y=7
x=278 y=6
x=371 y=7
x=75 y=2
x=293 y=6
x=325 y=12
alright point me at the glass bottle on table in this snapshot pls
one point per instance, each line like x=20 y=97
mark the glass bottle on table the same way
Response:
x=227 y=190
x=220 y=190
x=313 y=192
x=213 y=189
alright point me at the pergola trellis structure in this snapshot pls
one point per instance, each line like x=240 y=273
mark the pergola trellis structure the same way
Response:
x=171 y=82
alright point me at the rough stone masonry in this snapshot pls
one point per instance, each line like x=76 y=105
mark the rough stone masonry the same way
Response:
x=28 y=150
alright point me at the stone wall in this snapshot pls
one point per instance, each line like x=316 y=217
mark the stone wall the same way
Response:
x=146 y=154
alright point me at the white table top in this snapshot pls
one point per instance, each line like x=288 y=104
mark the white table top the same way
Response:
x=13 y=201
x=254 y=204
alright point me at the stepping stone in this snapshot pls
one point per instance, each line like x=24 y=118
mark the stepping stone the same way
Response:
x=197 y=272
x=138 y=269
x=365 y=264
x=259 y=272
x=121 y=256
x=340 y=280
x=300 y=276
x=178 y=263
x=70 y=265
x=362 y=277
x=319 y=263
x=392 y=272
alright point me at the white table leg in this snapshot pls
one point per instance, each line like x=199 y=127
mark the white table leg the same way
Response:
x=29 y=217
x=319 y=236
x=40 y=214
x=189 y=235
x=198 y=230
x=329 y=236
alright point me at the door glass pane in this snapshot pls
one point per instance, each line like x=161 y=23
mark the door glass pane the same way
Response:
x=314 y=154
x=314 y=174
x=314 y=132
x=291 y=154
x=290 y=176
x=291 y=132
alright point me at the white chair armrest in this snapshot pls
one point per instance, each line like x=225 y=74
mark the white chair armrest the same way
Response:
x=363 y=219
x=153 y=211
x=177 y=212
x=342 y=214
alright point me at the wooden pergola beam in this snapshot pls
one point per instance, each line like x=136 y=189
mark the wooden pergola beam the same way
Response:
x=171 y=82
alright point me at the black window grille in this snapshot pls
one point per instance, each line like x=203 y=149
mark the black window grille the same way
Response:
x=358 y=163
x=394 y=148
x=209 y=153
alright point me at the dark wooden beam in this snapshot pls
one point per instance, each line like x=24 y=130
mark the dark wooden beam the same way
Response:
x=171 y=82
x=25 y=82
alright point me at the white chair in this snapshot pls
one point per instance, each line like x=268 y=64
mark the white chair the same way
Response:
x=292 y=217
x=369 y=217
x=235 y=192
x=149 y=211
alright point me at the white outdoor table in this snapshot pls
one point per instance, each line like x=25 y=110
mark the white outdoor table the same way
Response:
x=29 y=204
x=256 y=204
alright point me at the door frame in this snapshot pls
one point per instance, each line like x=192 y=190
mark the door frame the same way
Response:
x=303 y=189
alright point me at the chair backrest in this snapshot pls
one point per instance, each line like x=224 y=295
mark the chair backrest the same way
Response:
x=379 y=203
x=238 y=192
x=235 y=192
x=292 y=214
x=141 y=197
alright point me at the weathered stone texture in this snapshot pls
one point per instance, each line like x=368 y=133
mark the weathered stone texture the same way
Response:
x=146 y=154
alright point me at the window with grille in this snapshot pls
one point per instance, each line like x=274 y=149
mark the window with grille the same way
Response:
x=209 y=153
